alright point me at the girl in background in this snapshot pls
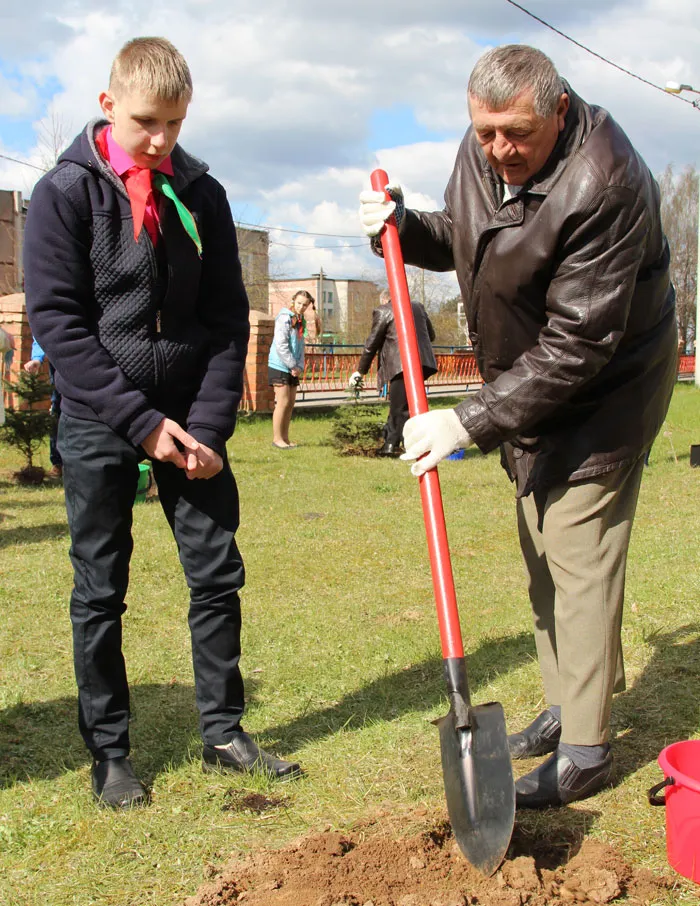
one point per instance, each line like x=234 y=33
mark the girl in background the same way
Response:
x=286 y=363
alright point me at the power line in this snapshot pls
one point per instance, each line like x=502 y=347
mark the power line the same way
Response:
x=24 y=163
x=313 y=248
x=599 y=56
x=260 y=226
x=264 y=226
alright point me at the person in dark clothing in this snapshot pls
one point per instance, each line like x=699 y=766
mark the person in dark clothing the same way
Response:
x=134 y=290
x=552 y=223
x=382 y=340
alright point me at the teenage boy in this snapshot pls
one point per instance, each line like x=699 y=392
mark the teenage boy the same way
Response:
x=134 y=290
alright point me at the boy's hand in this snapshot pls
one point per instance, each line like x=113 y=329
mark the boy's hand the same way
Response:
x=205 y=463
x=33 y=366
x=160 y=443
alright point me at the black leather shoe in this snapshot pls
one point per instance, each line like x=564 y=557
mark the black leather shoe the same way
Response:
x=115 y=785
x=539 y=738
x=558 y=781
x=242 y=754
x=389 y=450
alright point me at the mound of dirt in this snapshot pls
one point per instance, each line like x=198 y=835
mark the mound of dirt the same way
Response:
x=367 y=868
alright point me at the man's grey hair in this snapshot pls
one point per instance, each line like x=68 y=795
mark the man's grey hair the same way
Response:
x=503 y=73
x=384 y=297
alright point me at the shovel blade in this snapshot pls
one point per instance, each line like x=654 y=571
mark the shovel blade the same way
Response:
x=479 y=787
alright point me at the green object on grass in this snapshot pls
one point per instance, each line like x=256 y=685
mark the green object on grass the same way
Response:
x=144 y=481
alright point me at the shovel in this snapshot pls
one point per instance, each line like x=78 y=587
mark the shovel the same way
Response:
x=476 y=767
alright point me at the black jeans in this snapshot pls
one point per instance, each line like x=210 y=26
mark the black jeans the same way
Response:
x=100 y=474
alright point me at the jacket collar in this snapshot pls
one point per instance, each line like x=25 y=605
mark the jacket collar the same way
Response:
x=84 y=151
x=577 y=127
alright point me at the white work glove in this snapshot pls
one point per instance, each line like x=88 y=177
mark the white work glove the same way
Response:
x=436 y=433
x=375 y=211
x=355 y=379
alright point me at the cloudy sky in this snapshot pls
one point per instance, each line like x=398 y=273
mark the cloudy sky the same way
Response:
x=296 y=101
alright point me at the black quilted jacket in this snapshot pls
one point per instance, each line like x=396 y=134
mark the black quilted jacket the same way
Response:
x=137 y=332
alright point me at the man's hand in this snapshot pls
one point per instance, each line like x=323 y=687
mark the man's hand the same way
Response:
x=160 y=444
x=375 y=210
x=205 y=463
x=295 y=372
x=436 y=433
x=33 y=366
x=355 y=379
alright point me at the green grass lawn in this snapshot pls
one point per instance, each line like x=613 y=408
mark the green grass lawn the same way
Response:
x=341 y=659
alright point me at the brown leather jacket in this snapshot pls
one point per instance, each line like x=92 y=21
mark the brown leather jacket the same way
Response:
x=382 y=337
x=569 y=302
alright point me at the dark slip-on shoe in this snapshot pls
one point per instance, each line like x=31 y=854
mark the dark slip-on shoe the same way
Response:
x=558 y=781
x=539 y=738
x=242 y=754
x=114 y=784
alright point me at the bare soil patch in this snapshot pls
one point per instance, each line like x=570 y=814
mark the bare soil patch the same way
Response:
x=240 y=801
x=368 y=868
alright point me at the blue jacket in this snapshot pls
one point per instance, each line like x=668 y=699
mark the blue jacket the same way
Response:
x=37 y=352
x=135 y=332
x=287 y=350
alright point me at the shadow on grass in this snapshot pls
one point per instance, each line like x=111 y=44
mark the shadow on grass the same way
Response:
x=43 y=500
x=419 y=687
x=24 y=534
x=663 y=704
x=40 y=740
x=551 y=838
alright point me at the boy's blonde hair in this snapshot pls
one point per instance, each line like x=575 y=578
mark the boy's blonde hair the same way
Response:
x=154 y=67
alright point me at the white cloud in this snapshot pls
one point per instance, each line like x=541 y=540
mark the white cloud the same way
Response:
x=14 y=102
x=285 y=93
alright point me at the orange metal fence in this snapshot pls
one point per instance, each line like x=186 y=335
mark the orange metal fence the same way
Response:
x=686 y=367
x=456 y=368
x=330 y=371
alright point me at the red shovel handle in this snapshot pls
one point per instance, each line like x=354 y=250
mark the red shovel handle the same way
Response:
x=433 y=513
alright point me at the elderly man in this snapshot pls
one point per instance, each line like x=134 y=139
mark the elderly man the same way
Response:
x=552 y=223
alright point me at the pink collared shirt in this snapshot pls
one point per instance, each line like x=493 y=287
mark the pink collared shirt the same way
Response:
x=121 y=163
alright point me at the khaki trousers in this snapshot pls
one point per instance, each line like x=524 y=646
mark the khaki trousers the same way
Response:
x=574 y=540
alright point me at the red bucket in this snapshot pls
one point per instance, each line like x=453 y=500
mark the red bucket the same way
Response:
x=680 y=763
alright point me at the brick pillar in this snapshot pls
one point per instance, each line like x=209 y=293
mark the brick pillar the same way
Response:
x=13 y=319
x=258 y=396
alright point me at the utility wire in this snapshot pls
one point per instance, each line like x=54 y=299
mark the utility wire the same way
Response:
x=313 y=248
x=599 y=56
x=258 y=226
x=263 y=226
x=24 y=163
